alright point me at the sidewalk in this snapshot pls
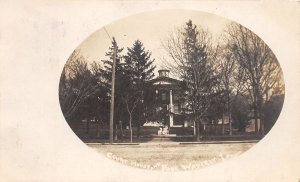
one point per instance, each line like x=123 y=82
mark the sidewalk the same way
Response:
x=177 y=143
x=220 y=139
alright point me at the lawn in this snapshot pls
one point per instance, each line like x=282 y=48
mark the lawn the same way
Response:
x=171 y=156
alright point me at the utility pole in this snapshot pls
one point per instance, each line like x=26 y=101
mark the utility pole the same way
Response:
x=112 y=103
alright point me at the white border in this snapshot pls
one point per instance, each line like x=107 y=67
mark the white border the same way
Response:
x=36 y=144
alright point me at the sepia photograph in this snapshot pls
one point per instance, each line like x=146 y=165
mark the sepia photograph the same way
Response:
x=149 y=91
x=172 y=90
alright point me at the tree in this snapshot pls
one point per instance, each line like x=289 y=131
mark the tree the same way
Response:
x=99 y=103
x=119 y=83
x=216 y=110
x=131 y=99
x=139 y=69
x=271 y=110
x=190 y=50
x=258 y=64
x=76 y=86
x=226 y=68
x=240 y=112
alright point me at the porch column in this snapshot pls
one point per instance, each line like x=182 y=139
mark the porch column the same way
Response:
x=171 y=109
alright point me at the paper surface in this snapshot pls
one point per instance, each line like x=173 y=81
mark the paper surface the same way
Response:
x=36 y=144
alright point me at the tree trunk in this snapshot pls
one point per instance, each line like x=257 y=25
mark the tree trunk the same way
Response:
x=195 y=128
x=198 y=130
x=262 y=127
x=216 y=126
x=87 y=126
x=130 y=120
x=116 y=133
x=229 y=113
x=121 y=129
x=223 y=125
x=98 y=130
x=230 y=124
x=255 y=112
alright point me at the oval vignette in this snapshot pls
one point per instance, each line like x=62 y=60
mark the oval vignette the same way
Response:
x=190 y=89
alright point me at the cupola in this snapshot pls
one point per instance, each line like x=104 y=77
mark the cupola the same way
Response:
x=163 y=73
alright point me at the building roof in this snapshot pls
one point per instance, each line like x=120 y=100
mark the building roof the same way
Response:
x=165 y=82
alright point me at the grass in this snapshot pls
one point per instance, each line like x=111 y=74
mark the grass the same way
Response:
x=171 y=156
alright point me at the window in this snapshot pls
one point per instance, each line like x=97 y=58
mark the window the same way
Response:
x=176 y=96
x=176 y=108
x=163 y=96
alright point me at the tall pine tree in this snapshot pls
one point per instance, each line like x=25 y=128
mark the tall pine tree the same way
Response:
x=198 y=73
x=119 y=76
x=139 y=64
x=139 y=69
x=190 y=54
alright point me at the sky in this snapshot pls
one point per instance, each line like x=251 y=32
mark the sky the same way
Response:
x=151 y=28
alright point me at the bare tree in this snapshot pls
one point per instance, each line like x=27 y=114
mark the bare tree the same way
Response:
x=100 y=101
x=131 y=101
x=76 y=85
x=191 y=55
x=258 y=66
x=227 y=73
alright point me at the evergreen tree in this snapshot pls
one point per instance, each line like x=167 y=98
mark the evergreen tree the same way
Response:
x=139 y=65
x=190 y=51
x=119 y=76
x=139 y=69
x=198 y=73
